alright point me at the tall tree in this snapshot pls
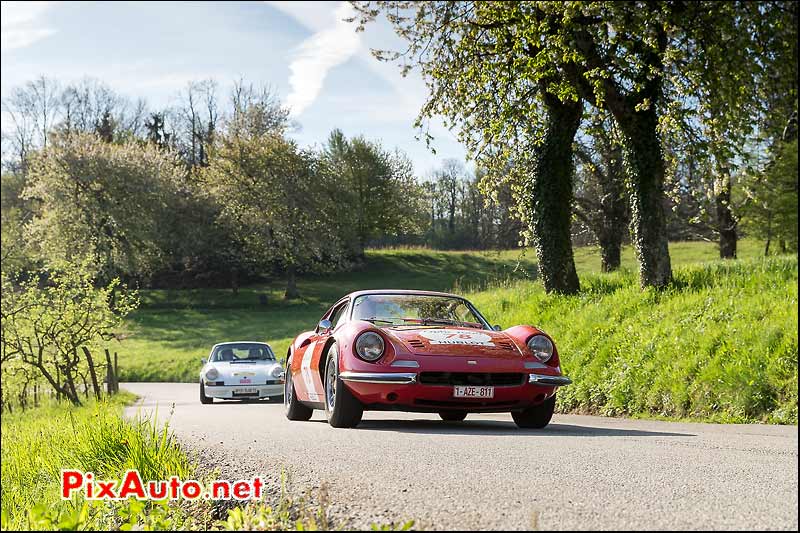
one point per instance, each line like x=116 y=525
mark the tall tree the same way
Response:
x=494 y=85
x=376 y=189
x=268 y=193
x=101 y=200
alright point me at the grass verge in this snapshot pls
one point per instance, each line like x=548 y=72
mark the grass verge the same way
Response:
x=38 y=443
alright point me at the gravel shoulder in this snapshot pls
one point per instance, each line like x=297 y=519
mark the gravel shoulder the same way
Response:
x=581 y=472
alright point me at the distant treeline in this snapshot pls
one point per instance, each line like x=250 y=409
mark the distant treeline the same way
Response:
x=213 y=192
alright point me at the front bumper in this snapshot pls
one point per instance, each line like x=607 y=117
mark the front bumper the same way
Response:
x=403 y=391
x=236 y=392
x=546 y=379
x=386 y=378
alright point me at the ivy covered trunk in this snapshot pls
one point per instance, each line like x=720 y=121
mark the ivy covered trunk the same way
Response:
x=644 y=163
x=726 y=223
x=550 y=197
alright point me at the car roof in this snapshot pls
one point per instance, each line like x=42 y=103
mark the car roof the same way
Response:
x=240 y=342
x=403 y=291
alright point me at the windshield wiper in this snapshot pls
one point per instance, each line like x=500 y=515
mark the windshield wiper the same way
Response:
x=375 y=319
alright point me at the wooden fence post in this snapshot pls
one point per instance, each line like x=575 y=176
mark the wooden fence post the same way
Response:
x=116 y=373
x=92 y=372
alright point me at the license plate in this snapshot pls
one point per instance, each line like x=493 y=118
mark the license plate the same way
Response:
x=473 y=392
x=245 y=391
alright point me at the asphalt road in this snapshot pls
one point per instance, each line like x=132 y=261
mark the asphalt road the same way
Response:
x=581 y=472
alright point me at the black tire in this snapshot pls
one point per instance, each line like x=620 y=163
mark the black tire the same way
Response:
x=453 y=416
x=535 y=417
x=342 y=409
x=294 y=409
x=203 y=398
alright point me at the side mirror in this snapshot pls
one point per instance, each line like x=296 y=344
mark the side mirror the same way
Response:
x=202 y=360
x=324 y=327
x=497 y=327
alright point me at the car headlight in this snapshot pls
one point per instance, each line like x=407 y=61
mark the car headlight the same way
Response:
x=212 y=374
x=277 y=373
x=541 y=347
x=370 y=346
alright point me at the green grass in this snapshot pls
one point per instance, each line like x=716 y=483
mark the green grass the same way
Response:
x=175 y=328
x=38 y=443
x=721 y=344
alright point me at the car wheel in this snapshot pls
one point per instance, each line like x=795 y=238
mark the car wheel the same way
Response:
x=294 y=409
x=342 y=409
x=203 y=398
x=453 y=416
x=537 y=416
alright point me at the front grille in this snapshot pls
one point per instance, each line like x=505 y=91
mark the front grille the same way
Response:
x=471 y=378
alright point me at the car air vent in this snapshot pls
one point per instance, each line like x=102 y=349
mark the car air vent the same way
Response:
x=416 y=343
x=506 y=346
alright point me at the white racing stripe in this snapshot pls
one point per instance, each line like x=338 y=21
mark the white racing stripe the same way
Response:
x=308 y=375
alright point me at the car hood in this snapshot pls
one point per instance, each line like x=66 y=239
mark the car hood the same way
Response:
x=455 y=341
x=244 y=368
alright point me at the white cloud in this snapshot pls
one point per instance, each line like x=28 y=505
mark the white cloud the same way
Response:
x=313 y=16
x=399 y=105
x=20 y=26
x=315 y=56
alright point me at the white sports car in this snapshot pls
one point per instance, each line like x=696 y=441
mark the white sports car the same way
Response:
x=240 y=371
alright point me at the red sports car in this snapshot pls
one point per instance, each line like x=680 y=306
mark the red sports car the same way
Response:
x=419 y=351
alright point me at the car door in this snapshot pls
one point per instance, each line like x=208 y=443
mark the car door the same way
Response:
x=309 y=387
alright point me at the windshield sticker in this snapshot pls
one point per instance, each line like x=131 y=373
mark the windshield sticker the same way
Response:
x=457 y=336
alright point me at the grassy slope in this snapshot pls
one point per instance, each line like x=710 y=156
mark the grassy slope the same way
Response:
x=721 y=345
x=617 y=341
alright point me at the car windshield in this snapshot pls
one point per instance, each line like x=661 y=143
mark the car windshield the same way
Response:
x=416 y=309
x=244 y=351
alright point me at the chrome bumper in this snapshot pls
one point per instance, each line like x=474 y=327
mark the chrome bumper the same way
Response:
x=395 y=378
x=542 y=379
x=227 y=391
x=402 y=378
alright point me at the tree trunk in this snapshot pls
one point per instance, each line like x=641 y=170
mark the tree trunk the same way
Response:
x=645 y=167
x=92 y=372
x=111 y=377
x=726 y=223
x=70 y=391
x=610 y=251
x=769 y=234
x=550 y=197
x=291 y=284
x=235 y=281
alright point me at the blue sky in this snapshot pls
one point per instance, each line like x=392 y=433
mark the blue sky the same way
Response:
x=317 y=63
